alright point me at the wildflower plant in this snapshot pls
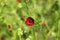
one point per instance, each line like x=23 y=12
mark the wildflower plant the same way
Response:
x=29 y=19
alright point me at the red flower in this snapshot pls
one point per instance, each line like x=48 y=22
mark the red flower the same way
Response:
x=29 y=21
x=9 y=26
x=18 y=0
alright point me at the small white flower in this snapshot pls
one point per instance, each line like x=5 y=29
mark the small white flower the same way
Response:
x=28 y=39
x=20 y=32
x=20 y=5
x=53 y=34
x=30 y=36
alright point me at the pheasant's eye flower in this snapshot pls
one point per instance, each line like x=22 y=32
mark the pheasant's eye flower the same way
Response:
x=29 y=21
x=9 y=26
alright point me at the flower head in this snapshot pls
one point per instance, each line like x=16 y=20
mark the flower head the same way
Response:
x=29 y=21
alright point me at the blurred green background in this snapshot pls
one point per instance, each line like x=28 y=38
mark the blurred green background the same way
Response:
x=46 y=15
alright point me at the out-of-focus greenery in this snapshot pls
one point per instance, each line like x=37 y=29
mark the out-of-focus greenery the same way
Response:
x=15 y=14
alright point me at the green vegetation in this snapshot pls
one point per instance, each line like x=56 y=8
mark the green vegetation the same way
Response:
x=46 y=15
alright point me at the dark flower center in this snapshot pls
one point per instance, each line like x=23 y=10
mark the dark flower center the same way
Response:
x=30 y=21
